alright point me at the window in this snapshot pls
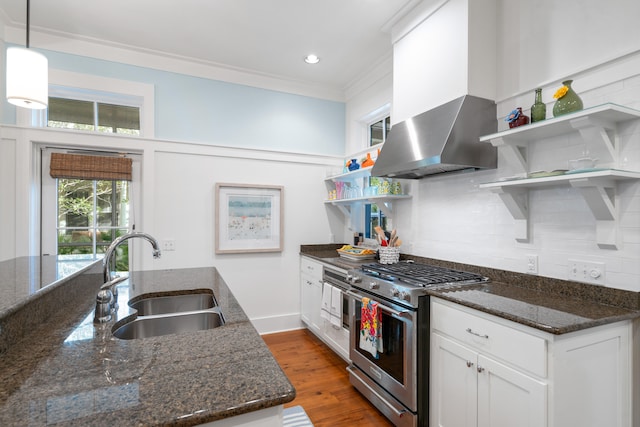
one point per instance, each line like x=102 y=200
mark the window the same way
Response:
x=95 y=103
x=379 y=131
x=91 y=214
x=93 y=116
x=88 y=200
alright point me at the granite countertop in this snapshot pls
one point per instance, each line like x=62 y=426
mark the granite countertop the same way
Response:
x=74 y=373
x=23 y=278
x=550 y=305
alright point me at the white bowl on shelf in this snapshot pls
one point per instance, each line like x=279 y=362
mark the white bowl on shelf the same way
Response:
x=582 y=163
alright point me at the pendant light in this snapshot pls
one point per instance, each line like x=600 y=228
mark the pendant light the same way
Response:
x=27 y=75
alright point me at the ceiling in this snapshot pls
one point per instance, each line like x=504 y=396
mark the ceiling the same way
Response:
x=265 y=37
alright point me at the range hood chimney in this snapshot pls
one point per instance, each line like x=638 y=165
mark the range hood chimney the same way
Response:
x=443 y=139
x=444 y=68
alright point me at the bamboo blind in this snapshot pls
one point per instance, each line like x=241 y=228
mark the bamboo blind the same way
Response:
x=90 y=167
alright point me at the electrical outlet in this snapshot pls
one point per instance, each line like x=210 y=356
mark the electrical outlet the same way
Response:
x=169 y=245
x=587 y=271
x=532 y=264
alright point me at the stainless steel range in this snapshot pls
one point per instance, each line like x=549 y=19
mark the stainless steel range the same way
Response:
x=396 y=379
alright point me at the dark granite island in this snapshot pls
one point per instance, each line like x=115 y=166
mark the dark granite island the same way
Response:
x=70 y=372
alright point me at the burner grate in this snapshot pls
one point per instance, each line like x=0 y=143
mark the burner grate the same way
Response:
x=421 y=274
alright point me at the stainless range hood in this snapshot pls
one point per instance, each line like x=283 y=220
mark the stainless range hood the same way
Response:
x=444 y=139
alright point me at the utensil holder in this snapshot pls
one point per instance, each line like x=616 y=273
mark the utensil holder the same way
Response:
x=389 y=255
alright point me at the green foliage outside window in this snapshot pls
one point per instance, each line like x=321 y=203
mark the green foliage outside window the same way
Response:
x=91 y=214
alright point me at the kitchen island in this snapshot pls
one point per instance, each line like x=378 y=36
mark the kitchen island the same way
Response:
x=69 y=371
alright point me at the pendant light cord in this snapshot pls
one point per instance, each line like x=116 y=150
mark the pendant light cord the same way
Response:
x=28 y=14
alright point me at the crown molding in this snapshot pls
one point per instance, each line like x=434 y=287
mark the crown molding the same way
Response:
x=131 y=55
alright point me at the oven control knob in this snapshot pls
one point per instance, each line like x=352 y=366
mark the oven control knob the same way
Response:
x=395 y=292
x=373 y=285
x=405 y=296
x=353 y=279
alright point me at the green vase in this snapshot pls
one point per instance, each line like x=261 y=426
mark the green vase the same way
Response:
x=569 y=103
x=539 y=108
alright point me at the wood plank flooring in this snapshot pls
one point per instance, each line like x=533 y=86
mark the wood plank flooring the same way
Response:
x=321 y=382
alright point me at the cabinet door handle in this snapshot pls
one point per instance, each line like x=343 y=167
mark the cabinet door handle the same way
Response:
x=472 y=332
x=480 y=369
x=469 y=363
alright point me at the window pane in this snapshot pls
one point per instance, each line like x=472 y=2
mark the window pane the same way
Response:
x=70 y=113
x=377 y=133
x=112 y=199
x=75 y=203
x=118 y=119
x=73 y=242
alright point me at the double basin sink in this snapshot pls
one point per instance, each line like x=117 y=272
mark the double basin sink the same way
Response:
x=170 y=313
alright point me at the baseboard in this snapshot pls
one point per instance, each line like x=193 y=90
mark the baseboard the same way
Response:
x=273 y=324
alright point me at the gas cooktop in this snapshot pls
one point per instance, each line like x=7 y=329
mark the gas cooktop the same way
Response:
x=423 y=275
x=407 y=281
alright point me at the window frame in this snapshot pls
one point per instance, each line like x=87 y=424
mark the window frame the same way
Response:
x=49 y=196
x=85 y=87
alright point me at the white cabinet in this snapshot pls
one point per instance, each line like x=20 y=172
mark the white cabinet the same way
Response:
x=358 y=193
x=490 y=372
x=311 y=293
x=337 y=338
x=596 y=126
x=311 y=282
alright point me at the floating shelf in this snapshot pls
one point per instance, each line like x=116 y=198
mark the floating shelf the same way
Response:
x=598 y=188
x=351 y=207
x=351 y=175
x=596 y=125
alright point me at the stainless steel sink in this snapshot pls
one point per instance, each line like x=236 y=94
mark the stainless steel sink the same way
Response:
x=157 y=325
x=147 y=306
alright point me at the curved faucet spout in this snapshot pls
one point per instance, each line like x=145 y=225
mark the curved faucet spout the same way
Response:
x=106 y=299
x=106 y=262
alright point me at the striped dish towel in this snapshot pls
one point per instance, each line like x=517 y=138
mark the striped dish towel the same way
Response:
x=296 y=417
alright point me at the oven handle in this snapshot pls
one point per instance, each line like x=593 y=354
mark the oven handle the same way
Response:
x=382 y=306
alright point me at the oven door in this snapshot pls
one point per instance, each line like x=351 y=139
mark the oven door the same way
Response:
x=395 y=368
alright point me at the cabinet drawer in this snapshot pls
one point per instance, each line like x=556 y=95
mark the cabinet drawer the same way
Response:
x=490 y=337
x=310 y=267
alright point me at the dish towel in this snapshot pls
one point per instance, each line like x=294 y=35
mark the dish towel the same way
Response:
x=325 y=307
x=336 y=307
x=371 y=327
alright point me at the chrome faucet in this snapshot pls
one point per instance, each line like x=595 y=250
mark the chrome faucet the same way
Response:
x=107 y=296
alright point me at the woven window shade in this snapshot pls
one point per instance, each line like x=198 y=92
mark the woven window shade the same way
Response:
x=90 y=167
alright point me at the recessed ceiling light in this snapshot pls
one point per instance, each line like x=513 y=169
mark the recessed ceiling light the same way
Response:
x=311 y=59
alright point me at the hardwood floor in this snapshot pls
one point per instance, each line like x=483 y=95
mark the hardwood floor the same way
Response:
x=321 y=382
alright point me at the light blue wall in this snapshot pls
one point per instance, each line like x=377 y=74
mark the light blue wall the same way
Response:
x=209 y=111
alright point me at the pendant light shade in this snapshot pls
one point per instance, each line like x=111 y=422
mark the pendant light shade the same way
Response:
x=27 y=78
x=27 y=75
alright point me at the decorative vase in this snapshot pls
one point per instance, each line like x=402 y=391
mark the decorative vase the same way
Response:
x=567 y=103
x=539 y=108
x=353 y=165
x=517 y=118
x=368 y=161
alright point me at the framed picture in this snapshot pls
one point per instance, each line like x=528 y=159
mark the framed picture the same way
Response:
x=248 y=218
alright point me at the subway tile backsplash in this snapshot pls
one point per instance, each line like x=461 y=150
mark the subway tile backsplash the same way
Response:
x=454 y=220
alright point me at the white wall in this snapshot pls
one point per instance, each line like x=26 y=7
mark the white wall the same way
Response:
x=266 y=284
x=177 y=192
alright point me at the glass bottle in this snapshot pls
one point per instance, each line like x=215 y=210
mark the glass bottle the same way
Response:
x=539 y=108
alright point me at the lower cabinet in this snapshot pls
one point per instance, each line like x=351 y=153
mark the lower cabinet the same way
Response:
x=473 y=390
x=311 y=284
x=311 y=295
x=489 y=372
x=337 y=338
